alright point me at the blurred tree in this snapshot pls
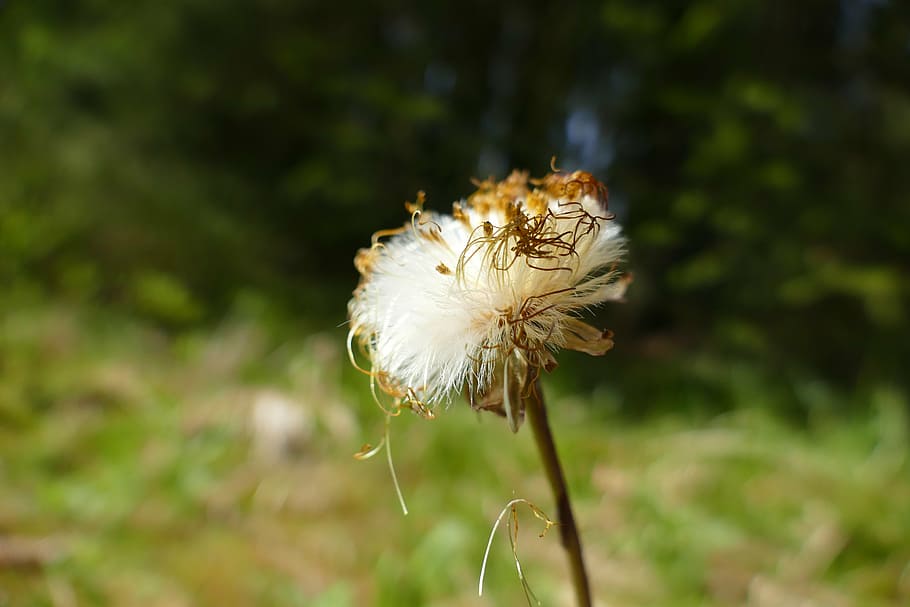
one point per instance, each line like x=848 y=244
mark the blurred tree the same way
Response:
x=164 y=156
x=759 y=147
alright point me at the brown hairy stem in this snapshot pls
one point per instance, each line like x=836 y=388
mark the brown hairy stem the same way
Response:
x=536 y=413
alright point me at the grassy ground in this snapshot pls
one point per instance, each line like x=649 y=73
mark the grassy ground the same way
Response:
x=215 y=468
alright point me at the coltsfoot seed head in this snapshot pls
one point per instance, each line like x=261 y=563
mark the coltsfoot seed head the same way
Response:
x=478 y=301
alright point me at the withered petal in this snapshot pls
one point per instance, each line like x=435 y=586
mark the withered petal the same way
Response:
x=582 y=337
x=548 y=361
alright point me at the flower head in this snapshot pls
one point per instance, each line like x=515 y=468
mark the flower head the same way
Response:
x=478 y=301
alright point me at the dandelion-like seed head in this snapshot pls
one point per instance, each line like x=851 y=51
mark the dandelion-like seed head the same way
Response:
x=477 y=302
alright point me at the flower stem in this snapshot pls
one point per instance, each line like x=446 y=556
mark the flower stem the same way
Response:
x=536 y=412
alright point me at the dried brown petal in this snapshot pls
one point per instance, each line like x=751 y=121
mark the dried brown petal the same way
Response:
x=582 y=337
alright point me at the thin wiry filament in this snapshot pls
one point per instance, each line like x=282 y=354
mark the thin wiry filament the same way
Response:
x=513 y=541
x=512 y=508
x=368 y=451
x=531 y=238
x=350 y=346
x=388 y=454
x=395 y=409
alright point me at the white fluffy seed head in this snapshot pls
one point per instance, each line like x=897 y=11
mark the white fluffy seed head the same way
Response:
x=478 y=300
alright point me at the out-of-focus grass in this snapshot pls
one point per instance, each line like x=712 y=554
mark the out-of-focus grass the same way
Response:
x=215 y=468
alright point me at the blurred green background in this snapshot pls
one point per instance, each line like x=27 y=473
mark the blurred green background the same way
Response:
x=183 y=186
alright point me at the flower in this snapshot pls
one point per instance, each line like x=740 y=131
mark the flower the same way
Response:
x=478 y=301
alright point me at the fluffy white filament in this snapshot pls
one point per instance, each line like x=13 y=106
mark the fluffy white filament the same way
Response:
x=443 y=302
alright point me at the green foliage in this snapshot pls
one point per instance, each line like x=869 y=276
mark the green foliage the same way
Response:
x=767 y=189
x=138 y=473
x=162 y=158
